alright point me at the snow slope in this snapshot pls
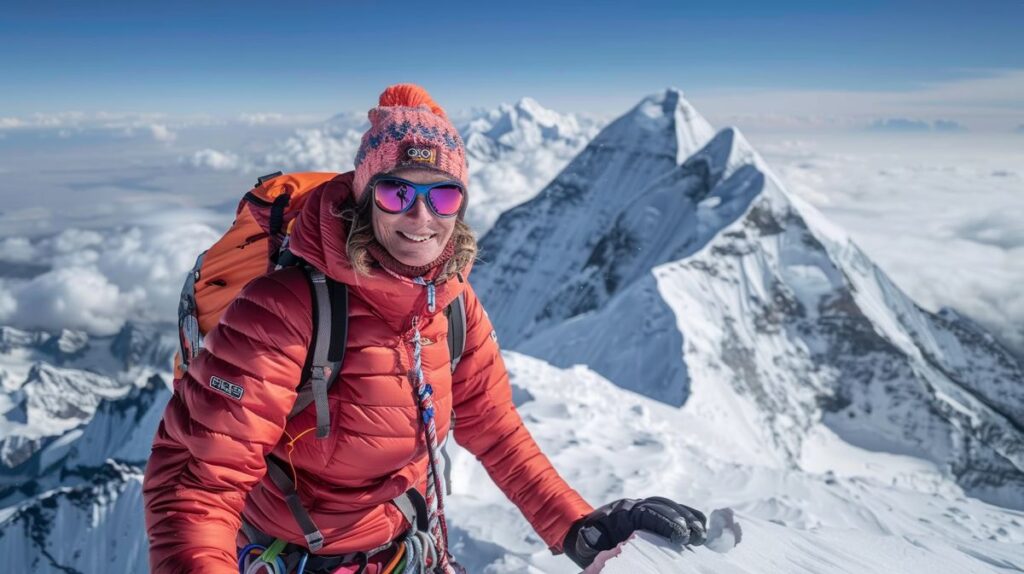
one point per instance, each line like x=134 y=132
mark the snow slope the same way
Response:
x=875 y=513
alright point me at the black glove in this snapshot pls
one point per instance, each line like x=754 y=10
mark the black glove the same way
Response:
x=609 y=525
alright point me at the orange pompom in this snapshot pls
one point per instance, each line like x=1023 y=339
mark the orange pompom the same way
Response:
x=409 y=95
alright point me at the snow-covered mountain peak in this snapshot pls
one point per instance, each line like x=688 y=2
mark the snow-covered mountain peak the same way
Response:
x=706 y=285
x=145 y=345
x=525 y=124
x=514 y=150
x=573 y=211
x=67 y=345
x=529 y=106
x=579 y=206
x=663 y=123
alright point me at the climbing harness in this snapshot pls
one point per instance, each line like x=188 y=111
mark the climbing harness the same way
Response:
x=415 y=553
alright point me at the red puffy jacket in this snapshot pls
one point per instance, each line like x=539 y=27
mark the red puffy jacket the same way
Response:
x=207 y=466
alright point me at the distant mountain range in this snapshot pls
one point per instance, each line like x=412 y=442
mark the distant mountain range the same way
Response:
x=79 y=414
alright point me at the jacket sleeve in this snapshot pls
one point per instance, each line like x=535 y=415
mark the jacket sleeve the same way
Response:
x=227 y=412
x=489 y=426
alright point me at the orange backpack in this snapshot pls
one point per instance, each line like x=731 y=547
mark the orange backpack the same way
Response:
x=248 y=250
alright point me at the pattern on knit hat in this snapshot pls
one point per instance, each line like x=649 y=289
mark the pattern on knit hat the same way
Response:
x=397 y=132
x=406 y=115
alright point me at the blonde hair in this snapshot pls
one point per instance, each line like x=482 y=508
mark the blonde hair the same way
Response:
x=360 y=235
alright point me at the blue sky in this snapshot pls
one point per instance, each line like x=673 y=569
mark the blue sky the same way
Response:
x=321 y=57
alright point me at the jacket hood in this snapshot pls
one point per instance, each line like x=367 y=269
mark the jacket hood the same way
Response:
x=319 y=237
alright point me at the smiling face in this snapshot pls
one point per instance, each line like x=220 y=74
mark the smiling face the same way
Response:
x=417 y=236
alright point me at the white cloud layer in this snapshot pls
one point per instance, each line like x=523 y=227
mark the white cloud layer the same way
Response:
x=97 y=281
x=158 y=127
x=68 y=124
x=943 y=221
x=331 y=147
x=216 y=160
x=274 y=118
x=321 y=149
x=17 y=249
x=161 y=133
x=901 y=125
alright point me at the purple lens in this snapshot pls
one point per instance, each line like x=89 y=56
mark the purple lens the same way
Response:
x=393 y=196
x=446 y=199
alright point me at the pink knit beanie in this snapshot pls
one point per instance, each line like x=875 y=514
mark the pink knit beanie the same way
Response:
x=408 y=128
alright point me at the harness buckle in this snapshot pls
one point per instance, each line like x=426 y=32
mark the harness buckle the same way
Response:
x=315 y=541
x=318 y=372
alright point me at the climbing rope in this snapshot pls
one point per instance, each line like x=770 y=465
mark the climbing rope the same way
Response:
x=435 y=491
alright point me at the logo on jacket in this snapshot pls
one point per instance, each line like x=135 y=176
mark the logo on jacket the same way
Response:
x=227 y=387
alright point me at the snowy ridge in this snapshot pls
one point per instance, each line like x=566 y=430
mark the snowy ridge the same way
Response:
x=573 y=211
x=43 y=402
x=77 y=507
x=93 y=527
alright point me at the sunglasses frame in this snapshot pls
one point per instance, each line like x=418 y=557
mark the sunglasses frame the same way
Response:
x=423 y=189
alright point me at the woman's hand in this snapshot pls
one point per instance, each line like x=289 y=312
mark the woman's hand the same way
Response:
x=609 y=525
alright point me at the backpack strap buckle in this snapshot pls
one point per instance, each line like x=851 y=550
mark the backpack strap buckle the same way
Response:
x=310 y=531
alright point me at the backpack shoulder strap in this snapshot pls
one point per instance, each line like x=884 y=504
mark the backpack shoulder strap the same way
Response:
x=456 y=313
x=330 y=334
